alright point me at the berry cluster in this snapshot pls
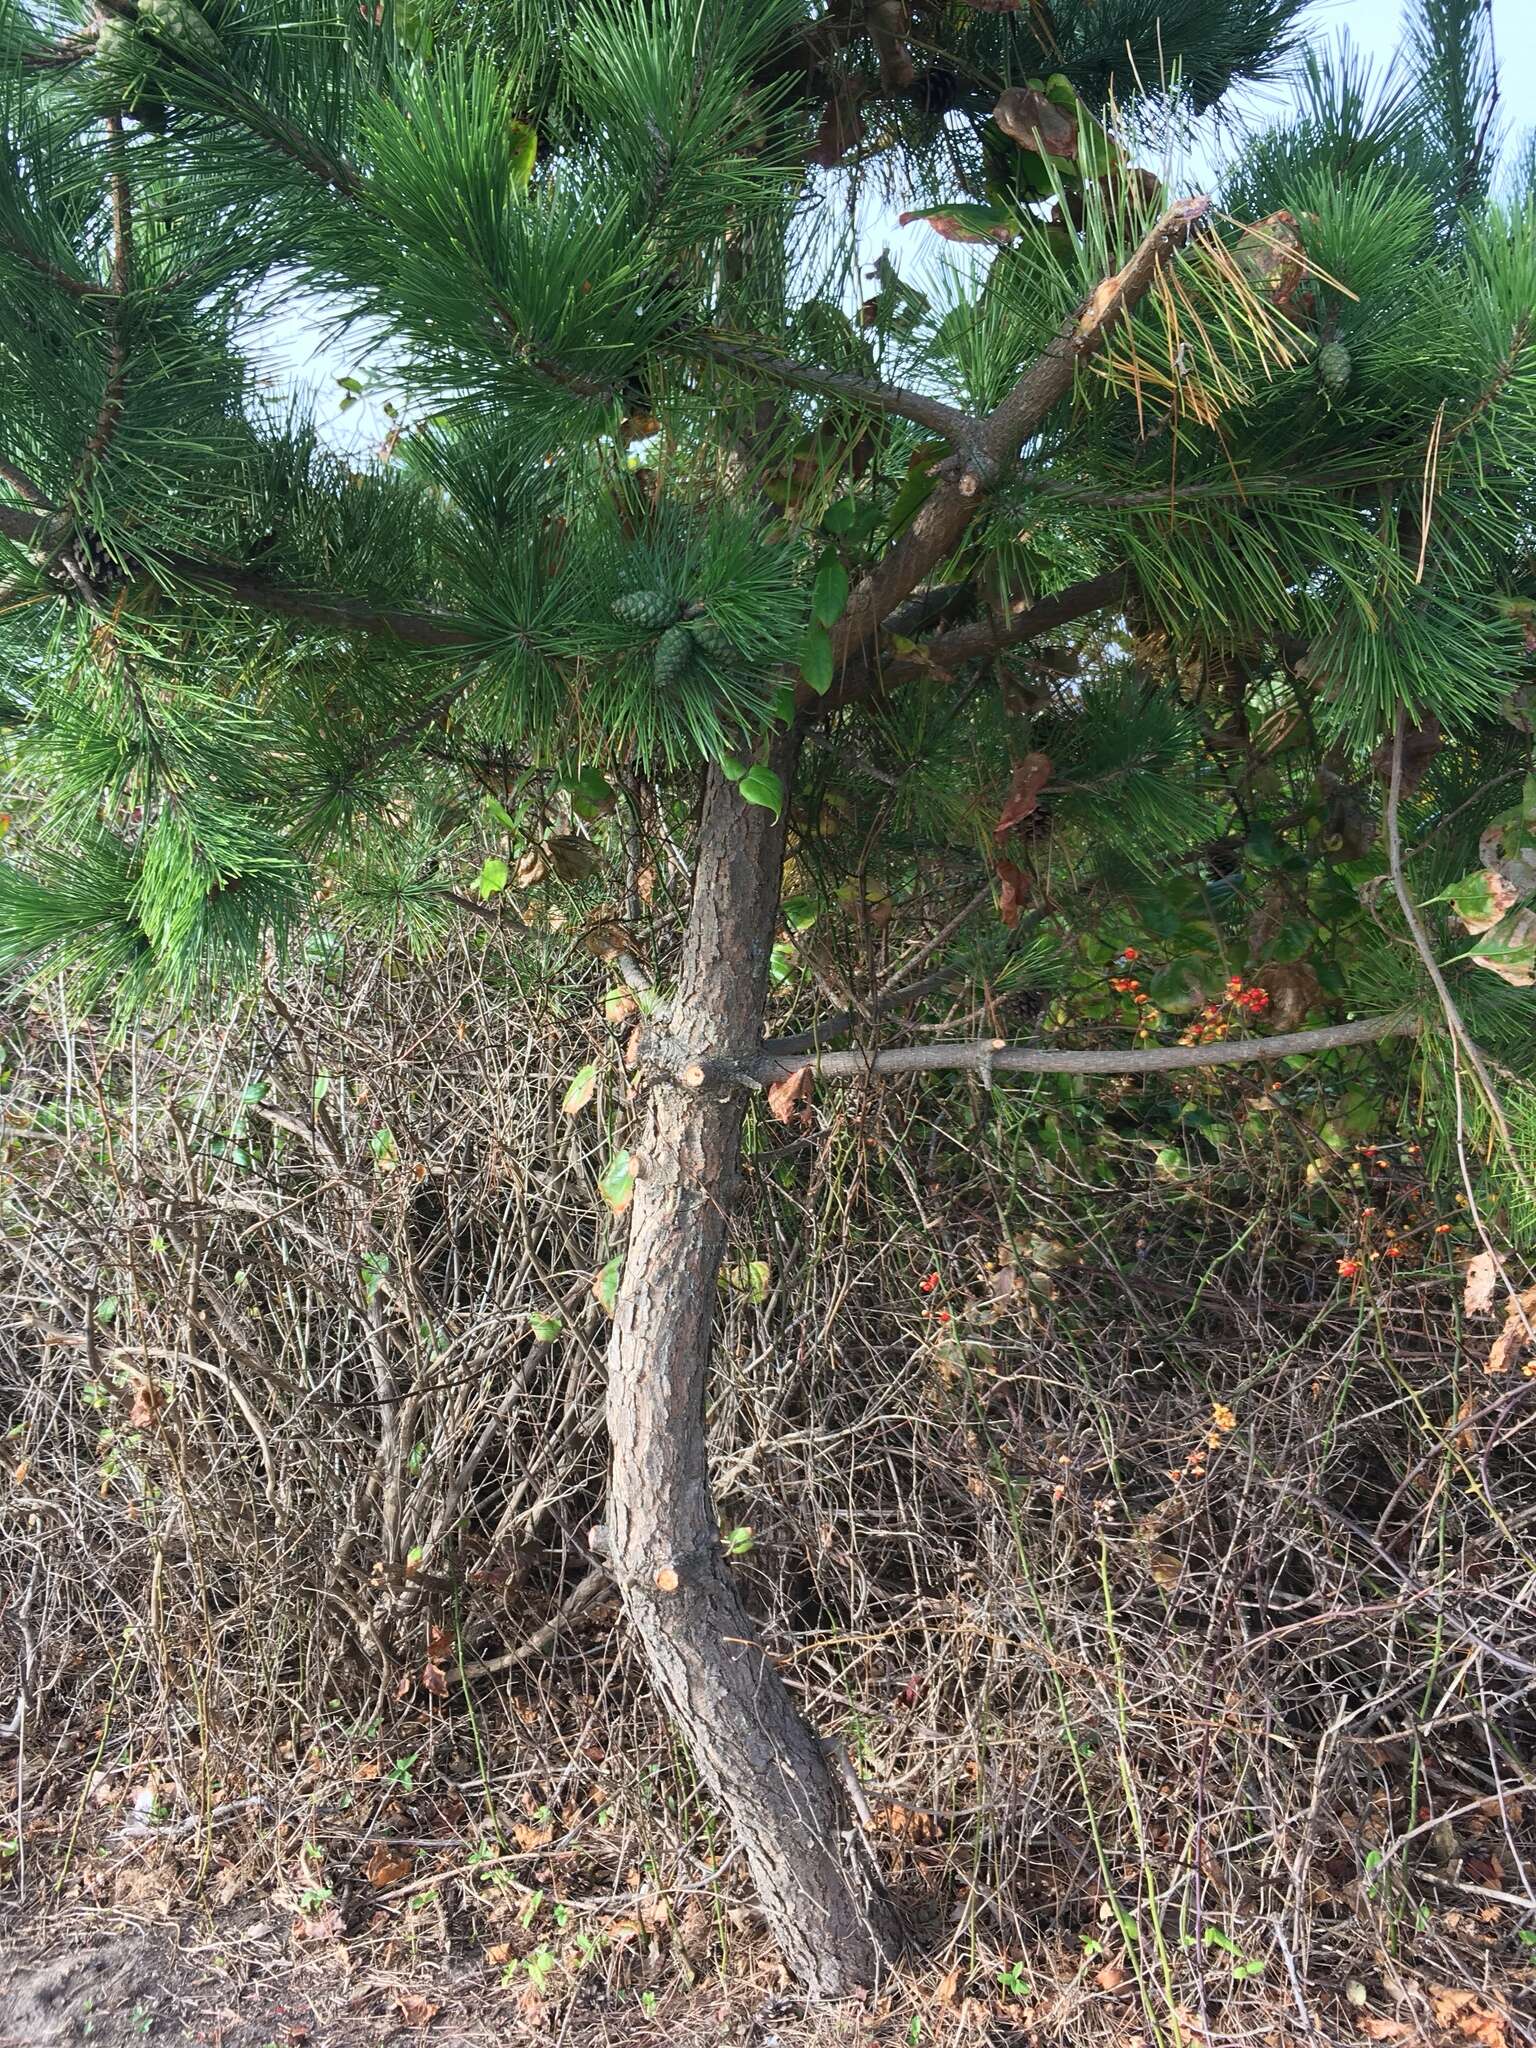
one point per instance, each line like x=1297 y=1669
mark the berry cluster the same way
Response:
x=1215 y=1021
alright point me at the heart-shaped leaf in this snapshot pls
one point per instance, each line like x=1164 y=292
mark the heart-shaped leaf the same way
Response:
x=761 y=786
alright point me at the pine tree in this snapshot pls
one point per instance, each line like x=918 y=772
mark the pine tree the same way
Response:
x=1161 y=564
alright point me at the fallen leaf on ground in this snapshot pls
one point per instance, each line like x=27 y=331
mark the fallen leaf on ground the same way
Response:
x=387 y=1866
x=1464 y=2015
x=323 y=1926
x=415 y=2010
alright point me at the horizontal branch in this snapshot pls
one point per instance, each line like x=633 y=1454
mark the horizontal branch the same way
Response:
x=993 y=1056
x=946 y=651
x=349 y=614
x=72 y=287
x=936 y=414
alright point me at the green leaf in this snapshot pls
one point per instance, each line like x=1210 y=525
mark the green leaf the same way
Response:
x=375 y=1271
x=800 y=912
x=322 y=1086
x=525 y=149
x=545 y=1328
x=761 y=786
x=617 y=1182
x=917 y=486
x=256 y=1092
x=106 y=1308
x=386 y=1154
x=748 y=1277
x=581 y=1091
x=782 y=709
x=839 y=518
x=493 y=877
x=732 y=769
x=965 y=221
x=605 y=1285
x=829 y=595
x=738 y=1541
x=592 y=794
x=816 y=660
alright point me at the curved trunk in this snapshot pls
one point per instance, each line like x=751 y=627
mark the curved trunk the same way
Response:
x=814 y=1872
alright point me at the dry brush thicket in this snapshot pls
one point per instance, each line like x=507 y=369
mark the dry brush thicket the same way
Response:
x=1171 y=1599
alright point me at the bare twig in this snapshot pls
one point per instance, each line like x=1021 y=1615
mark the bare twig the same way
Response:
x=993 y=1056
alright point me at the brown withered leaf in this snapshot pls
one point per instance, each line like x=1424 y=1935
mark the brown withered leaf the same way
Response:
x=434 y=1679
x=789 y=1098
x=1421 y=743
x=1482 y=1284
x=1013 y=888
x=1515 y=1337
x=1465 y=2017
x=1029 y=778
x=326 y=1925
x=1293 y=989
x=415 y=2010
x=439 y=1643
x=148 y=1403
x=386 y=1866
x=1377 y=2028
x=907 y=1823
x=1034 y=122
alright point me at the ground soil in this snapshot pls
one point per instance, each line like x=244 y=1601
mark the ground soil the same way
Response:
x=232 y=1981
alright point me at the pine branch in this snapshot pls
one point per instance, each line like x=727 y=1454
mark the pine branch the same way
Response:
x=962 y=487
x=957 y=427
x=948 y=650
x=74 y=287
x=29 y=492
x=437 y=630
x=993 y=1056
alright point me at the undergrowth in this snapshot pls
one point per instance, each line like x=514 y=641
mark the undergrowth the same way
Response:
x=1108 y=1465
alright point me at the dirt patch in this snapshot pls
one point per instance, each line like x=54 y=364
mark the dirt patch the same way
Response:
x=92 y=1979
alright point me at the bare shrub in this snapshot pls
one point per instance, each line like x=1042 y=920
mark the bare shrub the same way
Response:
x=1172 y=1598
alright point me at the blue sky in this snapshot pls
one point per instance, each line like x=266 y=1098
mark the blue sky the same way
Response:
x=1374 y=25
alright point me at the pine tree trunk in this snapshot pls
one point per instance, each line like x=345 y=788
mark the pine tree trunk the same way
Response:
x=814 y=1873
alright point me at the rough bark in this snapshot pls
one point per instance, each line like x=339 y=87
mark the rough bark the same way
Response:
x=814 y=1872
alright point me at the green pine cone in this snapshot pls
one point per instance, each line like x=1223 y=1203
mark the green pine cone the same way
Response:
x=652 y=609
x=1334 y=367
x=710 y=640
x=180 y=23
x=674 y=656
